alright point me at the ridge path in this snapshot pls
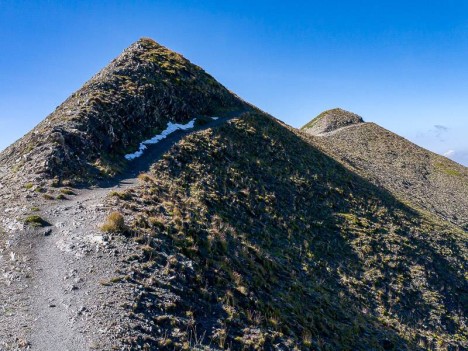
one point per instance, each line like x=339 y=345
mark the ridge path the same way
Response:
x=67 y=301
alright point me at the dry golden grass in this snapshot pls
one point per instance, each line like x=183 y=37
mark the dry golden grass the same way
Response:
x=115 y=223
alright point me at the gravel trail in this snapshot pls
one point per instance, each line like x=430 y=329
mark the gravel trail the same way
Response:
x=71 y=258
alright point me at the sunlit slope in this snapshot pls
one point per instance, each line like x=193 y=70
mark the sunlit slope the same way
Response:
x=430 y=181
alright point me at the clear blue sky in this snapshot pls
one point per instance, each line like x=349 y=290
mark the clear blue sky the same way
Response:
x=401 y=64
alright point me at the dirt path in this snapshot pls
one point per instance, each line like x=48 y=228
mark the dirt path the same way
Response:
x=73 y=257
x=63 y=279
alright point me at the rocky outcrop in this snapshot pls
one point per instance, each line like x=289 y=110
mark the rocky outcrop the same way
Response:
x=128 y=101
x=331 y=120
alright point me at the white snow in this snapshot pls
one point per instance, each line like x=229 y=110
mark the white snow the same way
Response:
x=171 y=128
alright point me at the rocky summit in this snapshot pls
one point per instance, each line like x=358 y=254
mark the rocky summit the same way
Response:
x=332 y=120
x=156 y=210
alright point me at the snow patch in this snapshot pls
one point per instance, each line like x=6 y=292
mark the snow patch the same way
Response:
x=171 y=128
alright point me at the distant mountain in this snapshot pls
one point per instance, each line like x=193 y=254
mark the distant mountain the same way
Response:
x=240 y=232
x=332 y=120
x=429 y=181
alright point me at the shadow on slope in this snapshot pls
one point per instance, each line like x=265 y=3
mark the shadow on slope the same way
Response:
x=131 y=169
x=251 y=238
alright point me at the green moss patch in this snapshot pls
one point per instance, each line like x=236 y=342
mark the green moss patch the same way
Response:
x=36 y=221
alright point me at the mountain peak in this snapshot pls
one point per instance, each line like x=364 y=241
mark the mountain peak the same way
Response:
x=135 y=96
x=146 y=54
x=290 y=241
x=145 y=46
x=140 y=46
x=331 y=120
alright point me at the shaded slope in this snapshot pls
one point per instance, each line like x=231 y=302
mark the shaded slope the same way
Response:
x=251 y=238
x=128 y=101
x=417 y=175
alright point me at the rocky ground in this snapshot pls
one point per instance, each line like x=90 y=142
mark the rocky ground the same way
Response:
x=56 y=279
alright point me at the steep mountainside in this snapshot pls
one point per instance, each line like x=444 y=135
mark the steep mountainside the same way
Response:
x=241 y=233
x=130 y=100
x=428 y=180
x=251 y=238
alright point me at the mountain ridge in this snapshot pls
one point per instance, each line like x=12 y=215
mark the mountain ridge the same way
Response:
x=128 y=101
x=428 y=180
x=243 y=233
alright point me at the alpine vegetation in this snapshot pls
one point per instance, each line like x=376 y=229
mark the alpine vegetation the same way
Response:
x=131 y=219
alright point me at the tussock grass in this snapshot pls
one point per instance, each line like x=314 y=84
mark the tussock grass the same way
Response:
x=67 y=191
x=264 y=240
x=36 y=221
x=115 y=223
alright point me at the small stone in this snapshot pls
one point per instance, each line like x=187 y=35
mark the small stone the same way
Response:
x=81 y=310
x=23 y=343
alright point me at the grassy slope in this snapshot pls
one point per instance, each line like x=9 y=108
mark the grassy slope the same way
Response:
x=251 y=238
x=317 y=119
x=426 y=179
